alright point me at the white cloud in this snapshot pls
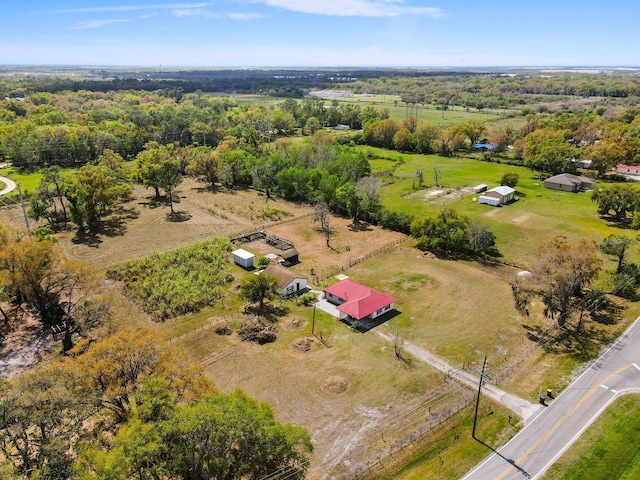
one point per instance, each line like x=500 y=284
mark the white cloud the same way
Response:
x=243 y=16
x=132 y=8
x=353 y=8
x=200 y=12
x=98 y=23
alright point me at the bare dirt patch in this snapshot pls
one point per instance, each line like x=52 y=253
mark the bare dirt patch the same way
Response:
x=24 y=347
x=522 y=218
x=295 y=323
x=335 y=384
x=442 y=196
x=303 y=344
x=349 y=243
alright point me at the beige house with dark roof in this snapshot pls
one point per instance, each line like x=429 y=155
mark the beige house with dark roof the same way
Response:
x=567 y=182
x=289 y=283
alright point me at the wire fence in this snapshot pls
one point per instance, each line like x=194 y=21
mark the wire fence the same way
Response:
x=317 y=279
x=416 y=423
x=212 y=322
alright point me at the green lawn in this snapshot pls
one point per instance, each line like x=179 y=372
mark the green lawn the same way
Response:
x=28 y=181
x=609 y=449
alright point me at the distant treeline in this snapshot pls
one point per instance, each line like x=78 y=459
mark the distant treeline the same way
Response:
x=278 y=83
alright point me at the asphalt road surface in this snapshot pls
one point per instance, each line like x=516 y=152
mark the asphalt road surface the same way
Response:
x=554 y=429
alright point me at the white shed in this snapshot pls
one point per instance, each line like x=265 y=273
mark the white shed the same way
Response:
x=494 y=202
x=243 y=258
x=480 y=188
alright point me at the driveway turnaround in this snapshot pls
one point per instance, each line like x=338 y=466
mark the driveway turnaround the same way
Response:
x=10 y=185
x=548 y=435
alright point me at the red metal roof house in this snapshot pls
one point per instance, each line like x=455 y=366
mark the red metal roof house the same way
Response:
x=629 y=169
x=358 y=301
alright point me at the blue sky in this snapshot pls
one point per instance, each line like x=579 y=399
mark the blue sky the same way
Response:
x=236 y=33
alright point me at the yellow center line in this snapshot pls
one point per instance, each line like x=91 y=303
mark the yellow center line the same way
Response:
x=561 y=421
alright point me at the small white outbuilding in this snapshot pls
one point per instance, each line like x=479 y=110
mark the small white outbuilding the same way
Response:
x=243 y=258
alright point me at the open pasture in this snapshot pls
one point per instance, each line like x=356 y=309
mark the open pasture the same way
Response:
x=537 y=215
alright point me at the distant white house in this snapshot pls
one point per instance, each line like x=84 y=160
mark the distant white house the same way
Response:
x=498 y=196
x=628 y=169
x=243 y=258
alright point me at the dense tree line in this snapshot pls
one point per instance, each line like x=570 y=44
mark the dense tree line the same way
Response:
x=494 y=90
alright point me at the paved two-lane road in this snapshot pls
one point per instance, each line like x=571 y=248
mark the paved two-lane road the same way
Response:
x=547 y=436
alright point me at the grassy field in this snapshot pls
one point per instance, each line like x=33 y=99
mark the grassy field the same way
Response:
x=609 y=449
x=398 y=110
x=536 y=216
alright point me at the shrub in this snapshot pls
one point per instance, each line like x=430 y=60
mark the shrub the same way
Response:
x=306 y=299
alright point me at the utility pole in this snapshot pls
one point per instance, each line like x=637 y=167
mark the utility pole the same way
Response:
x=475 y=416
x=24 y=211
x=313 y=321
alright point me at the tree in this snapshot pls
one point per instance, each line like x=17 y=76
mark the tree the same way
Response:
x=510 y=179
x=402 y=139
x=410 y=123
x=420 y=177
x=369 y=114
x=619 y=199
x=437 y=176
x=40 y=419
x=311 y=126
x=369 y=188
x=473 y=129
x=93 y=192
x=481 y=239
x=559 y=274
x=265 y=173
x=350 y=199
x=169 y=177
x=426 y=136
x=220 y=437
x=110 y=159
x=321 y=214
x=616 y=246
x=116 y=367
x=37 y=275
x=259 y=288
x=48 y=200
x=249 y=442
x=205 y=164
x=448 y=231
x=149 y=162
